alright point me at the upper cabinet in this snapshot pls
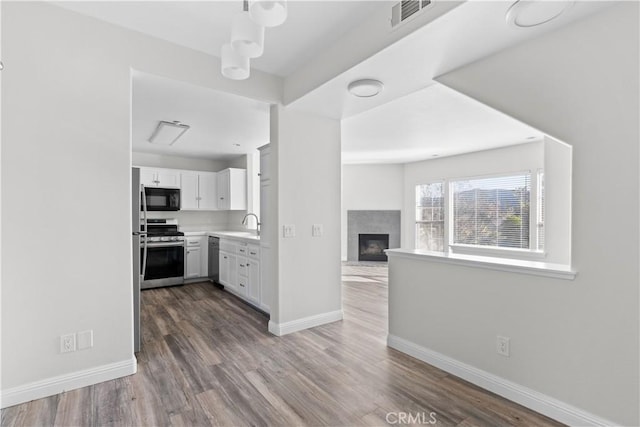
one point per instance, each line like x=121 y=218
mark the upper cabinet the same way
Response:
x=265 y=162
x=199 y=190
x=154 y=177
x=232 y=189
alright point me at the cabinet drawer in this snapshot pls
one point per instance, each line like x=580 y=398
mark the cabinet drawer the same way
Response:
x=253 y=251
x=193 y=241
x=242 y=286
x=227 y=246
x=242 y=267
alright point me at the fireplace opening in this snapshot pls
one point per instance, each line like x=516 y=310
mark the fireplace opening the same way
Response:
x=372 y=247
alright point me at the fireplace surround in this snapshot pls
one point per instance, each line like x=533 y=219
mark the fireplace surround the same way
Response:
x=371 y=222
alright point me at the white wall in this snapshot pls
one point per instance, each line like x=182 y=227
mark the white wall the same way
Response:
x=307 y=151
x=576 y=341
x=177 y=162
x=370 y=187
x=66 y=133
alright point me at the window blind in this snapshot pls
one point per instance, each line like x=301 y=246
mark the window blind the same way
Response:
x=492 y=212
x=430 y=216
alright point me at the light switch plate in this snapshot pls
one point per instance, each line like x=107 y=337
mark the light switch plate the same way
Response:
x=316 y=230
x=289 y=231
x=85 y=339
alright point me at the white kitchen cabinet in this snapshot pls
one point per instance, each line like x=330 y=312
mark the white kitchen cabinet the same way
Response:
x=155 y=177
x=193 y=264
x=253 y=279
x=232 y=189
x=229 y=270
x=189 y=191
x=199 y=191
x=268 y=233
x=244 y=281
x=265 y=162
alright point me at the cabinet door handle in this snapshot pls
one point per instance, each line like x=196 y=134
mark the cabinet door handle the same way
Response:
x=247 y=264
x=252 y=253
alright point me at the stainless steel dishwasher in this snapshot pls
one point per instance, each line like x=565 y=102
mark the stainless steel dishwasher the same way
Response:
x=214 y=260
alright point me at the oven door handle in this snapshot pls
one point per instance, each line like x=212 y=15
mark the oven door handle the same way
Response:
x=163 y=244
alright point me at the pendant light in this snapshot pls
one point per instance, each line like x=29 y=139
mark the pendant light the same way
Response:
x=268 y=13
x=234 y=65
x=247 y=37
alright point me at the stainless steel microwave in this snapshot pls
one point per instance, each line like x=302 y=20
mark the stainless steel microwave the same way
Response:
x=160 y=199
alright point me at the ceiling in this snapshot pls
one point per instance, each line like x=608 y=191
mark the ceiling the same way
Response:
x=218 y=120
x=433 y=122
x=414 y=118
x=311 y=26
x=467 y=33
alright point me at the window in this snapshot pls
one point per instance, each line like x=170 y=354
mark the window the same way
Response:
x=492 y=212
x=430 y=216
x=489 y=214
x=540 y=210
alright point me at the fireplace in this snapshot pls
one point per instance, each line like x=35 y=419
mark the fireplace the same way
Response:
x=372 y=247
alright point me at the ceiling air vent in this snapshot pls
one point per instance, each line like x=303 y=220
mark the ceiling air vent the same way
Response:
x=406 y=9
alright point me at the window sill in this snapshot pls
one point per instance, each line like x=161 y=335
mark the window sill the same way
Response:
x=536 y=268
x=518 y=254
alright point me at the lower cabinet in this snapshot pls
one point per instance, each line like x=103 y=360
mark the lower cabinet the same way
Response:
x=192 y=263
x=228 y=270
x=195 y=257
x=240 y=271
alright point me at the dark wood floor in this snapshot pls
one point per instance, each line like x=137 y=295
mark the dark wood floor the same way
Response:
x=208 y=359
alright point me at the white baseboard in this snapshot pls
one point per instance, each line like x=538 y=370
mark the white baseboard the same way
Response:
x=280 y=329
x=62 y=383
x=526 y=397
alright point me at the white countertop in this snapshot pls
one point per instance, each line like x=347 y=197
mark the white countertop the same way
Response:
x=246 y=236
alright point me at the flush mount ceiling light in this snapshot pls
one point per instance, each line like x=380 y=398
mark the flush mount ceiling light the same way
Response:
x=268 y=13
x=167 y=133
x=365 y=88
x=234 y=65
x=531 y=13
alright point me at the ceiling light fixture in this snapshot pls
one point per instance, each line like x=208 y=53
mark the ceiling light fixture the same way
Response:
x=528 y=13
x=234 y=65
x=365 y=88
x=268 y=13
x=166 y=133
x=247 y=36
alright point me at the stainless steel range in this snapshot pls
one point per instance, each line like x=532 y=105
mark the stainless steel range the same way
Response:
x=162 y=254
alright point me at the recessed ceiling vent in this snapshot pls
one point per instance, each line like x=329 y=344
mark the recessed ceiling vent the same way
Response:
x=406 y=9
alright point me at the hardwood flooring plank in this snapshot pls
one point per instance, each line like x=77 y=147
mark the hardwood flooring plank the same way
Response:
x=208 y=359
x=74 y=408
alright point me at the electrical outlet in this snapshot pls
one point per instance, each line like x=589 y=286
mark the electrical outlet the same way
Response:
x=85 y=339
x=316 y=230
x=289 y=230
x=503 y=344
x=68 y=343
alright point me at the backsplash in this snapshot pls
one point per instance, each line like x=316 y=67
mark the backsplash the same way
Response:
x=204 y=220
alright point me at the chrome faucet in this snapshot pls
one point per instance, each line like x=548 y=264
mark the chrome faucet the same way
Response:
x=244 y=222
